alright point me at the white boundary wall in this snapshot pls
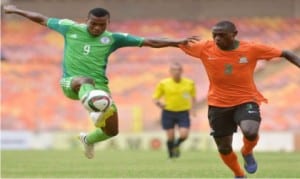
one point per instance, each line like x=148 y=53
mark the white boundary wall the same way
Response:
x=269 y=141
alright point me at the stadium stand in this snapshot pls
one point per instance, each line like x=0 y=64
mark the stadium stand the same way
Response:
x=32 y=98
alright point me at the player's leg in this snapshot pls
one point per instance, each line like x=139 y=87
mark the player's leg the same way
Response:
x=108 y=127
x=184 y=129
x=168 y=125
x=223 y=126
x=76 y=87
x=248 y=117
x=170 y=141
x=250 y=131
x=228 y=156
x=183 y=135
x=82 y=85
x=71 y=87
x=109 y=130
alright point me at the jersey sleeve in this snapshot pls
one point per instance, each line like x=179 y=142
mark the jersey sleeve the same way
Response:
x=60 y=25
x=158 y=92
x=127 y=40
x=193 y=49
x=265 y=52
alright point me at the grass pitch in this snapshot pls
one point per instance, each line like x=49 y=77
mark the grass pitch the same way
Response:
x=138 y=164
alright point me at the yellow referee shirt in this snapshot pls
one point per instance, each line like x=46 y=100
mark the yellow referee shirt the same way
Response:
x=177 y=96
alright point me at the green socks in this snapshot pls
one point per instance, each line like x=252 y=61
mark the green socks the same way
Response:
x=84 y=89
x=96 y=136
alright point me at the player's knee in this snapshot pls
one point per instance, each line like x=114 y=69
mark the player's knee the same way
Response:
x=250 y=134
x=77 y=82
x=184 y=137
x=250 y=128
x=251 y=137
x=112 y=132
x=84 y=80
x=225 y=150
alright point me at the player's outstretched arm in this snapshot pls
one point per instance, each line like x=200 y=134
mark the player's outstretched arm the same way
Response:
x=164 y=42
x=291 y=57
x=36 y=17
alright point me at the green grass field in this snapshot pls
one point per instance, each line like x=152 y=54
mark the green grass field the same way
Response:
x=137 y=164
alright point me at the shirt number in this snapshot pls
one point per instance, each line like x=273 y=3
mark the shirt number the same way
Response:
x=86 y=49
x=228 y=69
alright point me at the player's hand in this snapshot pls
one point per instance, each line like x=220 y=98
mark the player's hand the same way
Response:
x=8 y=9
x=160 y=105
x=192 y=39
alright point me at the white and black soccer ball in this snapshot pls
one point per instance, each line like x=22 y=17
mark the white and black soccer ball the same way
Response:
x=97 y=101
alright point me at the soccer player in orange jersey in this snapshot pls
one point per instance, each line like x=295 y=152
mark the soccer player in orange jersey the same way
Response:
x=232 y=97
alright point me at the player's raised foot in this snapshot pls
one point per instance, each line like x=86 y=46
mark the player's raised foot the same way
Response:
x=240 y=177
x=250 y=164
x=88 y=148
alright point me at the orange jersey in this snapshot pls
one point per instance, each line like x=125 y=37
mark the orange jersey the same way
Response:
x=231 y=72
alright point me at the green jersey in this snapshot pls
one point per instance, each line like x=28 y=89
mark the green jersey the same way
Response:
x=87 y=55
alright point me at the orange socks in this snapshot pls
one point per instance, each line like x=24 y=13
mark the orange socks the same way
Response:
x=249 y=145
x=231 y=161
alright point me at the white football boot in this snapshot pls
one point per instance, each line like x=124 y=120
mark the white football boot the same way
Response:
x=96 y=117
x=88 y=148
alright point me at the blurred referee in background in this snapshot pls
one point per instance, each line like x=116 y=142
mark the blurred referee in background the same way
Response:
x=178 y=102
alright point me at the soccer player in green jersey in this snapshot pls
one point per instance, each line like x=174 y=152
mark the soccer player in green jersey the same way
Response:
x=86 y=50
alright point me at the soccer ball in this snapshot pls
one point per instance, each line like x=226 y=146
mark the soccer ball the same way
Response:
x=97 y=101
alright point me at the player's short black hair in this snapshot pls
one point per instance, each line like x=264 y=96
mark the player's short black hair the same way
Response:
x=228 y=25
x=99 y=12
x=176 y=64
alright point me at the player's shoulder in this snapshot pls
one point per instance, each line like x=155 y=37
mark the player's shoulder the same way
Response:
x=63 y=21
x=114 y=35
x=165 y=81
x=244 y=43
x=118 y=34
x=188 y=80
x=204 y=44
x=253 y=45
x=207 y=43
x=71 y=24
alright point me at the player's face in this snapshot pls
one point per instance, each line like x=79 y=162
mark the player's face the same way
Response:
x=176 y=71
x=97 y=25
x=223 y=37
